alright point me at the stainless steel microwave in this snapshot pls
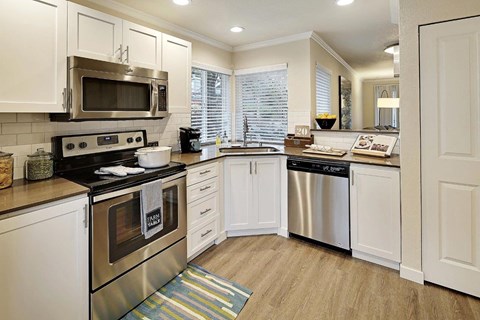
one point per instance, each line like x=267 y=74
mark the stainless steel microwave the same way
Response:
x=99 y=90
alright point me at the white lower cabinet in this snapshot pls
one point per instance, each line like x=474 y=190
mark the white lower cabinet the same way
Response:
x=44 y=262
x=252 y=193
x=204 y=216
x=375 y=214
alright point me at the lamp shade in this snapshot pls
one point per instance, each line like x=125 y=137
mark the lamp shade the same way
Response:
x=391 y=103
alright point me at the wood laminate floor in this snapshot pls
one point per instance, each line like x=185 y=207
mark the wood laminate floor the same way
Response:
x=293 y=279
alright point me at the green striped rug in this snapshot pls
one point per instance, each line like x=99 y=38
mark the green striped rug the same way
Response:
x=193 y=294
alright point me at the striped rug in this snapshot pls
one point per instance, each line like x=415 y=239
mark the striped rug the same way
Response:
x=193 y=294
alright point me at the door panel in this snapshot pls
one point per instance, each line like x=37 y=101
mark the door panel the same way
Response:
x=450 y=146
x=238 y=185
x=266 y=192
x=144 y=46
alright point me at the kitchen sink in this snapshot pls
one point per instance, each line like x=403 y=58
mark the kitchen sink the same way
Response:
x=249 y=150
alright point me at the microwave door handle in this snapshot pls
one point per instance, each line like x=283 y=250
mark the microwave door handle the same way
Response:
x=154 y=104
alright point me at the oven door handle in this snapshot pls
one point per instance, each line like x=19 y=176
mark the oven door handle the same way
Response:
x=122 y=192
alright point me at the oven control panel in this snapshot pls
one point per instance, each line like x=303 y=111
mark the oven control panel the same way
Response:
x=103 y=142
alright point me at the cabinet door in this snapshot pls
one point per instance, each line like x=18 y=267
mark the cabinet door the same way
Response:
x=266 y=192
x=143 y=46
x=375 y=211
x=33 y=41
x=93 y=34
x=238 y=186
x=176 y=60
x=44 y=263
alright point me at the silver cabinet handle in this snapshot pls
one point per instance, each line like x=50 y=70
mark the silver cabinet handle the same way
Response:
x=255 y=167
x=205 y=172
x=85 y=221
x=206 y=210
x=126 y=53
x=353 y=177
x=205 y=188
x=120 y=56
x=204 y=234
x=250 y=167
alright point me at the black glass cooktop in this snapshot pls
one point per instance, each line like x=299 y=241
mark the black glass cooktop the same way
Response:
x=105 y=183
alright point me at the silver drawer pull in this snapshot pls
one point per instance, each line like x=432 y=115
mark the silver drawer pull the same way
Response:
x=206 y=210
x=205 y=188
x=205 y=172
x=204 y=234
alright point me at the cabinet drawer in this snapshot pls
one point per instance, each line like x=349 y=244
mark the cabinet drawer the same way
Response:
x=201 y=236
x=202 y=189
x=201 y=173
x=202 y=209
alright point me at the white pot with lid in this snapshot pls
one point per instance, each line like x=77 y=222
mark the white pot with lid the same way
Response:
x=153 y=157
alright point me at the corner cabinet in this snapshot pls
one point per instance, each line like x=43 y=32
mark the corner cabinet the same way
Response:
x=34 y=52
x=252 y=195
x=96 y=35
x=44 y=262
x=375 y=214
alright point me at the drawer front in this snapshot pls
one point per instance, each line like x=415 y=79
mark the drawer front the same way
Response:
x=201 y=173
x=202 y=189
x=202 y=209
x=202 y=236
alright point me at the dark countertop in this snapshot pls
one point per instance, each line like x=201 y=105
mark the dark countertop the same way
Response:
x=211 y=153
x=26 y=194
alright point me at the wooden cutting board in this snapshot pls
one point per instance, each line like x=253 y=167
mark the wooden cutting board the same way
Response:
x=333 y=152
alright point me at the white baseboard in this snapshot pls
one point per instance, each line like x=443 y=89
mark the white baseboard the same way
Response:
x=412 y=274
x=283 y=232
x=252 y=232
x=221 y=237
x=370 y=258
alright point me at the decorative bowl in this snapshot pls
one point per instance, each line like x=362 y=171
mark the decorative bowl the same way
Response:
x=325 y=123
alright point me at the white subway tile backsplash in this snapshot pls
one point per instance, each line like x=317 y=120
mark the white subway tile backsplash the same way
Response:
x=8 y=117
x=30 y=138
x=16 y=128
x=31 y=117
x=8 y=140
x=20 y=150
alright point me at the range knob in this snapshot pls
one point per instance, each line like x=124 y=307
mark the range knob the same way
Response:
x=70 y=146
x=129 y=140
x=138 y=139
x=83 y=145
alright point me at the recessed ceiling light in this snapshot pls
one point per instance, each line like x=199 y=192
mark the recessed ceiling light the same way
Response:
x=344 y=2
x=237 y=29
x=182 y=2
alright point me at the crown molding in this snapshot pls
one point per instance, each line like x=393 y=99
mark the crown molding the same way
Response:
x=134 y=13
x=315 y=37
x=273 y=42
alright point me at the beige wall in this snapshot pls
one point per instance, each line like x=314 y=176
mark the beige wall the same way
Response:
x=412 y=14
x=323 y=58
x=368 y=99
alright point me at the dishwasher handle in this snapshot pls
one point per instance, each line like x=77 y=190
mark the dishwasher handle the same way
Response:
x=329 y=168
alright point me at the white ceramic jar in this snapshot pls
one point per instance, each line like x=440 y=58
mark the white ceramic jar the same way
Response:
x=153 y=157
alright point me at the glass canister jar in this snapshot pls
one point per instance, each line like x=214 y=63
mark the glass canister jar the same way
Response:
x=39 y=165
x=6 y=170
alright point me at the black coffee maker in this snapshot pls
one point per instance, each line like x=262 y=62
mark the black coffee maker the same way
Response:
x=190 y=140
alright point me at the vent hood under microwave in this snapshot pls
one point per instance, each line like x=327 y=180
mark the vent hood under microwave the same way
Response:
x=99 y=90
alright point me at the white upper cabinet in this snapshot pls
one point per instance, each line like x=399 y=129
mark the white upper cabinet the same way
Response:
x=33 y=51
x=142 y=46
x=93 y=34
x=96 y=35
x=177 y=62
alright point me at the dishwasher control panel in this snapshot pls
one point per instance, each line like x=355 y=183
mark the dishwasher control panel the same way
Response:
x=339 y=169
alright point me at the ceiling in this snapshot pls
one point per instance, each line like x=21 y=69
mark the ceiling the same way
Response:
x=358 y=32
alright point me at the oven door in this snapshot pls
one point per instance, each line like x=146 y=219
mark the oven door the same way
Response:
x=117 y=242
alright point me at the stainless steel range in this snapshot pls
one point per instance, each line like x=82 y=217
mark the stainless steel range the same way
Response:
x=125 y=267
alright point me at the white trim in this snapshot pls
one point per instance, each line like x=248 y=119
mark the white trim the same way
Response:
x=377 y=260
x=321 y=67
x=394 y=11
x=208 y=67
x=222 y=236
x=315 y=37
x=251 y=232
x=134 y=13
x=274 y=67
x=273 y=42
x=412 y=274
x=283 y=233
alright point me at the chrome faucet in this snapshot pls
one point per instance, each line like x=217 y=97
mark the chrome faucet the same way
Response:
x=245 y=130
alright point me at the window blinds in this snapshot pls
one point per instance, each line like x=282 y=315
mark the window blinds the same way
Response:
x=210 y=104
x=323 y=83
x=263 y=98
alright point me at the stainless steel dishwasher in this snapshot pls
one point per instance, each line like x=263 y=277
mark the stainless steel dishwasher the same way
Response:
x=318 y=200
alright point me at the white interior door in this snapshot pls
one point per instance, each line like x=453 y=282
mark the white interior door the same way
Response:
x=450 y=72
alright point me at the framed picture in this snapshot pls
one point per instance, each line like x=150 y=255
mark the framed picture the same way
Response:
x=345 y=103
x=374 y=145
